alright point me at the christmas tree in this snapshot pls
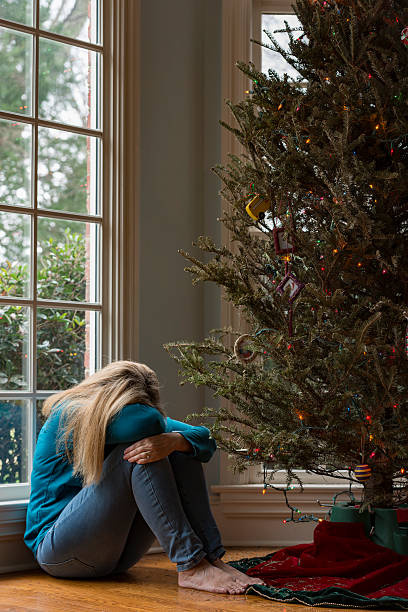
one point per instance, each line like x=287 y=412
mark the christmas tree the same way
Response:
x=318 y=216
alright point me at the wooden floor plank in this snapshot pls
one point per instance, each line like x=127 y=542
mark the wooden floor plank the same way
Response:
x=150 y=586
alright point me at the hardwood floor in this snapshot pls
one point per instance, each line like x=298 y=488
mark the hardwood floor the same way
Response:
x=149 y=586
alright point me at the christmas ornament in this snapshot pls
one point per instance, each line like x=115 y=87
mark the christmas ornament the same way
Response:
x=362 y=472
x=257 y=207
x=406 y=341
x=270 y=272
x=241 y=350
x=291 y=285
x=404 y=36
x=283 y=244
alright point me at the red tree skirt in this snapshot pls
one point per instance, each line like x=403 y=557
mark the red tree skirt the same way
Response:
x=341 y=568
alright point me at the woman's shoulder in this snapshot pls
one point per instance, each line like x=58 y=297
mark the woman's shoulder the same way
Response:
x=141 y=409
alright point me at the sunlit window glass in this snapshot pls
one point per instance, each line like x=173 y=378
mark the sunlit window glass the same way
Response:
x=271 y=59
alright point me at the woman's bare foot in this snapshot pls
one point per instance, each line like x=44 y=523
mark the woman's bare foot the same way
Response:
x=240 y=576
x=207 y=577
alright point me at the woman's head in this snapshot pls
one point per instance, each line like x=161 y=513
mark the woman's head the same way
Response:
x=88 y=407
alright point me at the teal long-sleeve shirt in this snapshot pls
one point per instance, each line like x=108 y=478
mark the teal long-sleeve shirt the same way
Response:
x=52 y=482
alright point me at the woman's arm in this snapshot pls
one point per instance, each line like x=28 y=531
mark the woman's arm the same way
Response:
x=178 y=437
x=134 y=422
x=202 y=444
x=157 y=447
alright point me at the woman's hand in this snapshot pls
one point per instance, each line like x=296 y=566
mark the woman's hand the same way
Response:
x=155 y=448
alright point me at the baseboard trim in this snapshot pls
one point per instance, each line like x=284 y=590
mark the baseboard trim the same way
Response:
x=247 y=518
x=154 y=550
x=20 y=567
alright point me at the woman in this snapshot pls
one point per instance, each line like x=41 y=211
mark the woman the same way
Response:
x=111 y=472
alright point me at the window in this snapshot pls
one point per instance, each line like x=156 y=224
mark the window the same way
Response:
x=271 y=59
x=50 y=215
x=271 y=15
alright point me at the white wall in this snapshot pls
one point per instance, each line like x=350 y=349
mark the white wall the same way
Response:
x=180 y=141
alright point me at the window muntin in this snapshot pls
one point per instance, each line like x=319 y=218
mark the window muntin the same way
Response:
x=50 y=219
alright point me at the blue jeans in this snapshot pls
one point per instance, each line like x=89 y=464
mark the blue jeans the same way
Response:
x=106 y=528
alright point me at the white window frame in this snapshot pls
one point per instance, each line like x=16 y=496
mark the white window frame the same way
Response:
x=120 y=189
x=14 y=492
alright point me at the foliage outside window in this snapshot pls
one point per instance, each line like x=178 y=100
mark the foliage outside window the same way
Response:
x=50 y=212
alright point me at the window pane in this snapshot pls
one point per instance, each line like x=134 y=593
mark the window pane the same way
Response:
x=17 y=10
x=66 y=346
x=271 y=59
x=39 y=418
x=14 y=254
x=16 y=52
x=68 y=84
x=14 y=343
x=14 y=441
x=68 y=167
x=15 y=163
x=68 y=257
x=73 y=18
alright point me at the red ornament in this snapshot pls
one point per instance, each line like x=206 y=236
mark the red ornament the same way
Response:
x=404 y=36
x=291 y=284
x=242 y=352
x=282 y=243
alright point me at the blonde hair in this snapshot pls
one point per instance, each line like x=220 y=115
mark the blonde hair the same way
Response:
x=87 y=409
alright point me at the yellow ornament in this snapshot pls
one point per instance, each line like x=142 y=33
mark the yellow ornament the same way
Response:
x=257 y=207
x=362 y=472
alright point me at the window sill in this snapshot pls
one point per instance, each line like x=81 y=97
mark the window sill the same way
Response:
x=12 y=518
x=14 y=554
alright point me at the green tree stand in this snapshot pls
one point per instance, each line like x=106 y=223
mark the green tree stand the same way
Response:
x=381 y=525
